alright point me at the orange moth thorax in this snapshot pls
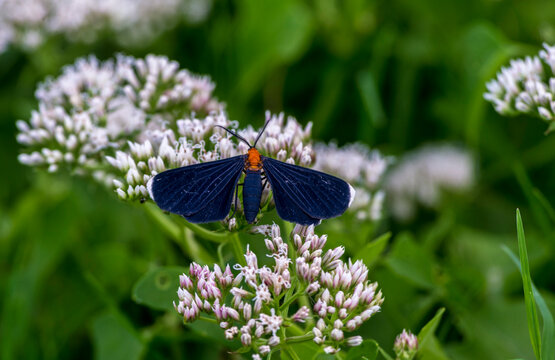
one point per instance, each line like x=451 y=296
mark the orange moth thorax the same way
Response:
x=253 y=160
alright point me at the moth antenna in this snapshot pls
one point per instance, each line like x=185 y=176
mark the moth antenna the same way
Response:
x=262 y=131
x=235 y=134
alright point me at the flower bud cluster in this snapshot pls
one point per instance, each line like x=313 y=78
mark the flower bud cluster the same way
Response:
x=256 y=304
x=94 y=108
x=133 y=22
x=363 y=169
x=405 y=346
x=193 y=140
x=424 y=174
x=526 y=86
x=125 y=121
x=283 y=140
x=343 y=296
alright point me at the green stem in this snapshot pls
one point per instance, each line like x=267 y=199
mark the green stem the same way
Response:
x=183 y=237
x=291 y=352
x=193 y=248
x=237 y=248
x=169 y=227
x=288 y=227
x=304 y=301
x=295 y=329
x=339 y=355
x=384 y=353
x=289 y=301
x=173 y=229
x=217 y=237
x=300 y=338
x=208 y=319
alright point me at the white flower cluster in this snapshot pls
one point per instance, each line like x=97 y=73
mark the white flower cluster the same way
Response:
x=255 y=304
x=363 y=169
x=526 y=86
x=193 y=140
x=125 y=121
x=95 y=108
x=28 y=22
x=422 y=175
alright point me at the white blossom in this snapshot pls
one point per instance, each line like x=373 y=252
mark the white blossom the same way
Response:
x=133 y=22
x=128 y=119
x=423 y=175
x=361 y=167
x=526 y=86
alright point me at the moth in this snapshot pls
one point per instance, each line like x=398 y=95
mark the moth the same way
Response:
x=204 y=192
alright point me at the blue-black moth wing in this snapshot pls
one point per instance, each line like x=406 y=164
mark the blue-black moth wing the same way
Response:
x=200 y=192
x=306 y=196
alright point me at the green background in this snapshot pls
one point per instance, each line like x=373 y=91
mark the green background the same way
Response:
x=390 y=74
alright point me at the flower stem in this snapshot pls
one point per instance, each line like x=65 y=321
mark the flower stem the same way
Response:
x=208 y=319
x=193 y=248
x=291 y=352
x=206 y=234
x=384 y=353
x=292 y=298
x=235 y=243
x=174 y=230
x=171 y=229
x=181 y=236
x=300 y=338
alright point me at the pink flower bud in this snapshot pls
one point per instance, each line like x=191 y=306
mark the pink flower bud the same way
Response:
x=354 y=341
x=246 y=339
x=336 y=335
x=274 y=340
x=264 y=350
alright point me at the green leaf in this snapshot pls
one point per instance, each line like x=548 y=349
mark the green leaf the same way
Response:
x=531 y=312
x=544 y=204
x=409 y=260
x=548 y=333
x=537 y=208
x=114 y=340
x=368 y=350
x=370 y=96
x=269 y=34
x=371 y=252
x=547 y=344
x=158 y=287
x=305 y=350
x=432 y=351
x=427 y=332
x=321 y=356
x=211 y=331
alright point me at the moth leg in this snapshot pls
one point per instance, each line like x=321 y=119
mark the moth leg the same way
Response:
x=236 y=200
x=263 y=187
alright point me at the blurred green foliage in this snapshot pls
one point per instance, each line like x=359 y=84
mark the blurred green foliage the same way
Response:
x=391 y=74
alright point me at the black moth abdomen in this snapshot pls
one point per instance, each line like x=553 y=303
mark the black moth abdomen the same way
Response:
x=252 y=193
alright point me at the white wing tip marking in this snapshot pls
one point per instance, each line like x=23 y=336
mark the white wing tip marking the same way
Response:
x=353 y=192
x=149 y=188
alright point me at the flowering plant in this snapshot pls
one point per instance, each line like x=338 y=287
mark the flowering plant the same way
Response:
x=123 y=121
x=133 y=22
x=263 y=305
x=526 y=86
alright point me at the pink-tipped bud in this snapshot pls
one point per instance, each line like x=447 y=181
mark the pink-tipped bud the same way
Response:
x=354 y=341
x=246 y=339
x=264 y=350
x=274 y=341
x=336 y=335
x=406 y=345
